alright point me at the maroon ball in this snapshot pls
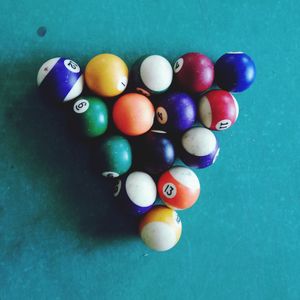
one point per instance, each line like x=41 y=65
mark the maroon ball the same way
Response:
x=194 y=72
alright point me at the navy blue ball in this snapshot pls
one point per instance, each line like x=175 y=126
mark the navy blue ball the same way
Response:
x=154 y=152
x=176 y=112
x=235 y=71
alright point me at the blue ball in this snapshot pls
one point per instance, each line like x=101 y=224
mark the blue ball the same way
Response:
x=176 y=112
x=60 y=79
x=235 y=71
x=199 y=148
x=154 y=152
x=136 y=192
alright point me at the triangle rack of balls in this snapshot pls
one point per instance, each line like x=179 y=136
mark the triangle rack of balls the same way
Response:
x=147 y=119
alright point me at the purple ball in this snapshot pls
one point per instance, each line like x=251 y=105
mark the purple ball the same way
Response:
x=176 y=112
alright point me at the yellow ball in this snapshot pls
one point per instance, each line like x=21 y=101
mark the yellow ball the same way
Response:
x=106 y=75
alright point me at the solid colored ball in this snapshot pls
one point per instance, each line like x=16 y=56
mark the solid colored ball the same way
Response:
x=218 y=110
x=154 y=152
x=60 y=79
x=113 y=156
x=194 y=72
x=106 y=75
x=176 y=112
x=133 y=114
x=151 y=75
x=199 y=147
x=90 y=116
x=179 y=187
x=160 y=228
x=235 y=71
x=137 y=191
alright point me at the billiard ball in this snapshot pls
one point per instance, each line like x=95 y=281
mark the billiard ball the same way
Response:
x=160 y=229
x=151 y=75
x=179 y=187
x=218 y=110
x=235 y=71
x=194 y=72
x=106 y=75
x=113 y=156
x=133 y=114
x=199 y=147
x=137 y=192
x=154 y=152
x=176 y=111
x=89 y=116
x=60 y=79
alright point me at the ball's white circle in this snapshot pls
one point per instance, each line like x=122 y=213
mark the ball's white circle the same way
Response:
x=159 y=236
x=159 y=131
x=205 y=114
x=199 y=141
x=169 y=190
x=143 y=91
x=110 y=174
x=117 y=188
x=186 y=177
x=161 y=115
x=71 y=66
x=81 y=106
x=223 y=124
x=122 y=84
x=45 y=69
x=141 y=189
x=178 y=65
x=156 y=73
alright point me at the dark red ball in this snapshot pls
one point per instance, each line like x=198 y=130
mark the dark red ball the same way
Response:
x=194 y=72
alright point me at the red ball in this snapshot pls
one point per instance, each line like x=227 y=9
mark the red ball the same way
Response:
x=194 y=72
x=218 y=110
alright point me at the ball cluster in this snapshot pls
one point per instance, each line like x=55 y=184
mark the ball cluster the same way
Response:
x=145 y=119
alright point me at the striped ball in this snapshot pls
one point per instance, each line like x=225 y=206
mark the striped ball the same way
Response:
x=160 y=228
x=60 y=79
x=199 y=147
x=179 y=187
x=218 y=110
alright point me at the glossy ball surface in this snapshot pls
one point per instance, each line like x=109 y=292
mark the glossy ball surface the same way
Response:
x=137 y=191
x=218 y=110
x=235 y=71
x=113 y=156
x=176 y=112
x=133 y=114
x=151 y=75
x=89 y=116
x=194 y=72
x=179 y=188
x=60 y=79
x=106 y=75
x=199 y=147
x=160 y=229
x=154 y=152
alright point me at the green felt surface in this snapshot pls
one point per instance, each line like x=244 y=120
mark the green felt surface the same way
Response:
x=62 y=236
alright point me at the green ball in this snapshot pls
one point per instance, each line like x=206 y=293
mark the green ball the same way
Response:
x=114 y=156
x=90 y=116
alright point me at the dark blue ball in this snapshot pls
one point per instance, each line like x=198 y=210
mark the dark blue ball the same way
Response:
x=176 y=112
x=154 y=152
x=235 y=71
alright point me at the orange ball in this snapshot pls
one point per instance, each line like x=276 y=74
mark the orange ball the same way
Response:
x=133 y=114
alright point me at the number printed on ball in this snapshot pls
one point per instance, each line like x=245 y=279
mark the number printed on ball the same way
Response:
x=117 y=188
x=178 y=65
x=169 y=190
x=162 y=115
x=223 y=124
x=71 y=66
x=122 y=83
x=81 y=106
